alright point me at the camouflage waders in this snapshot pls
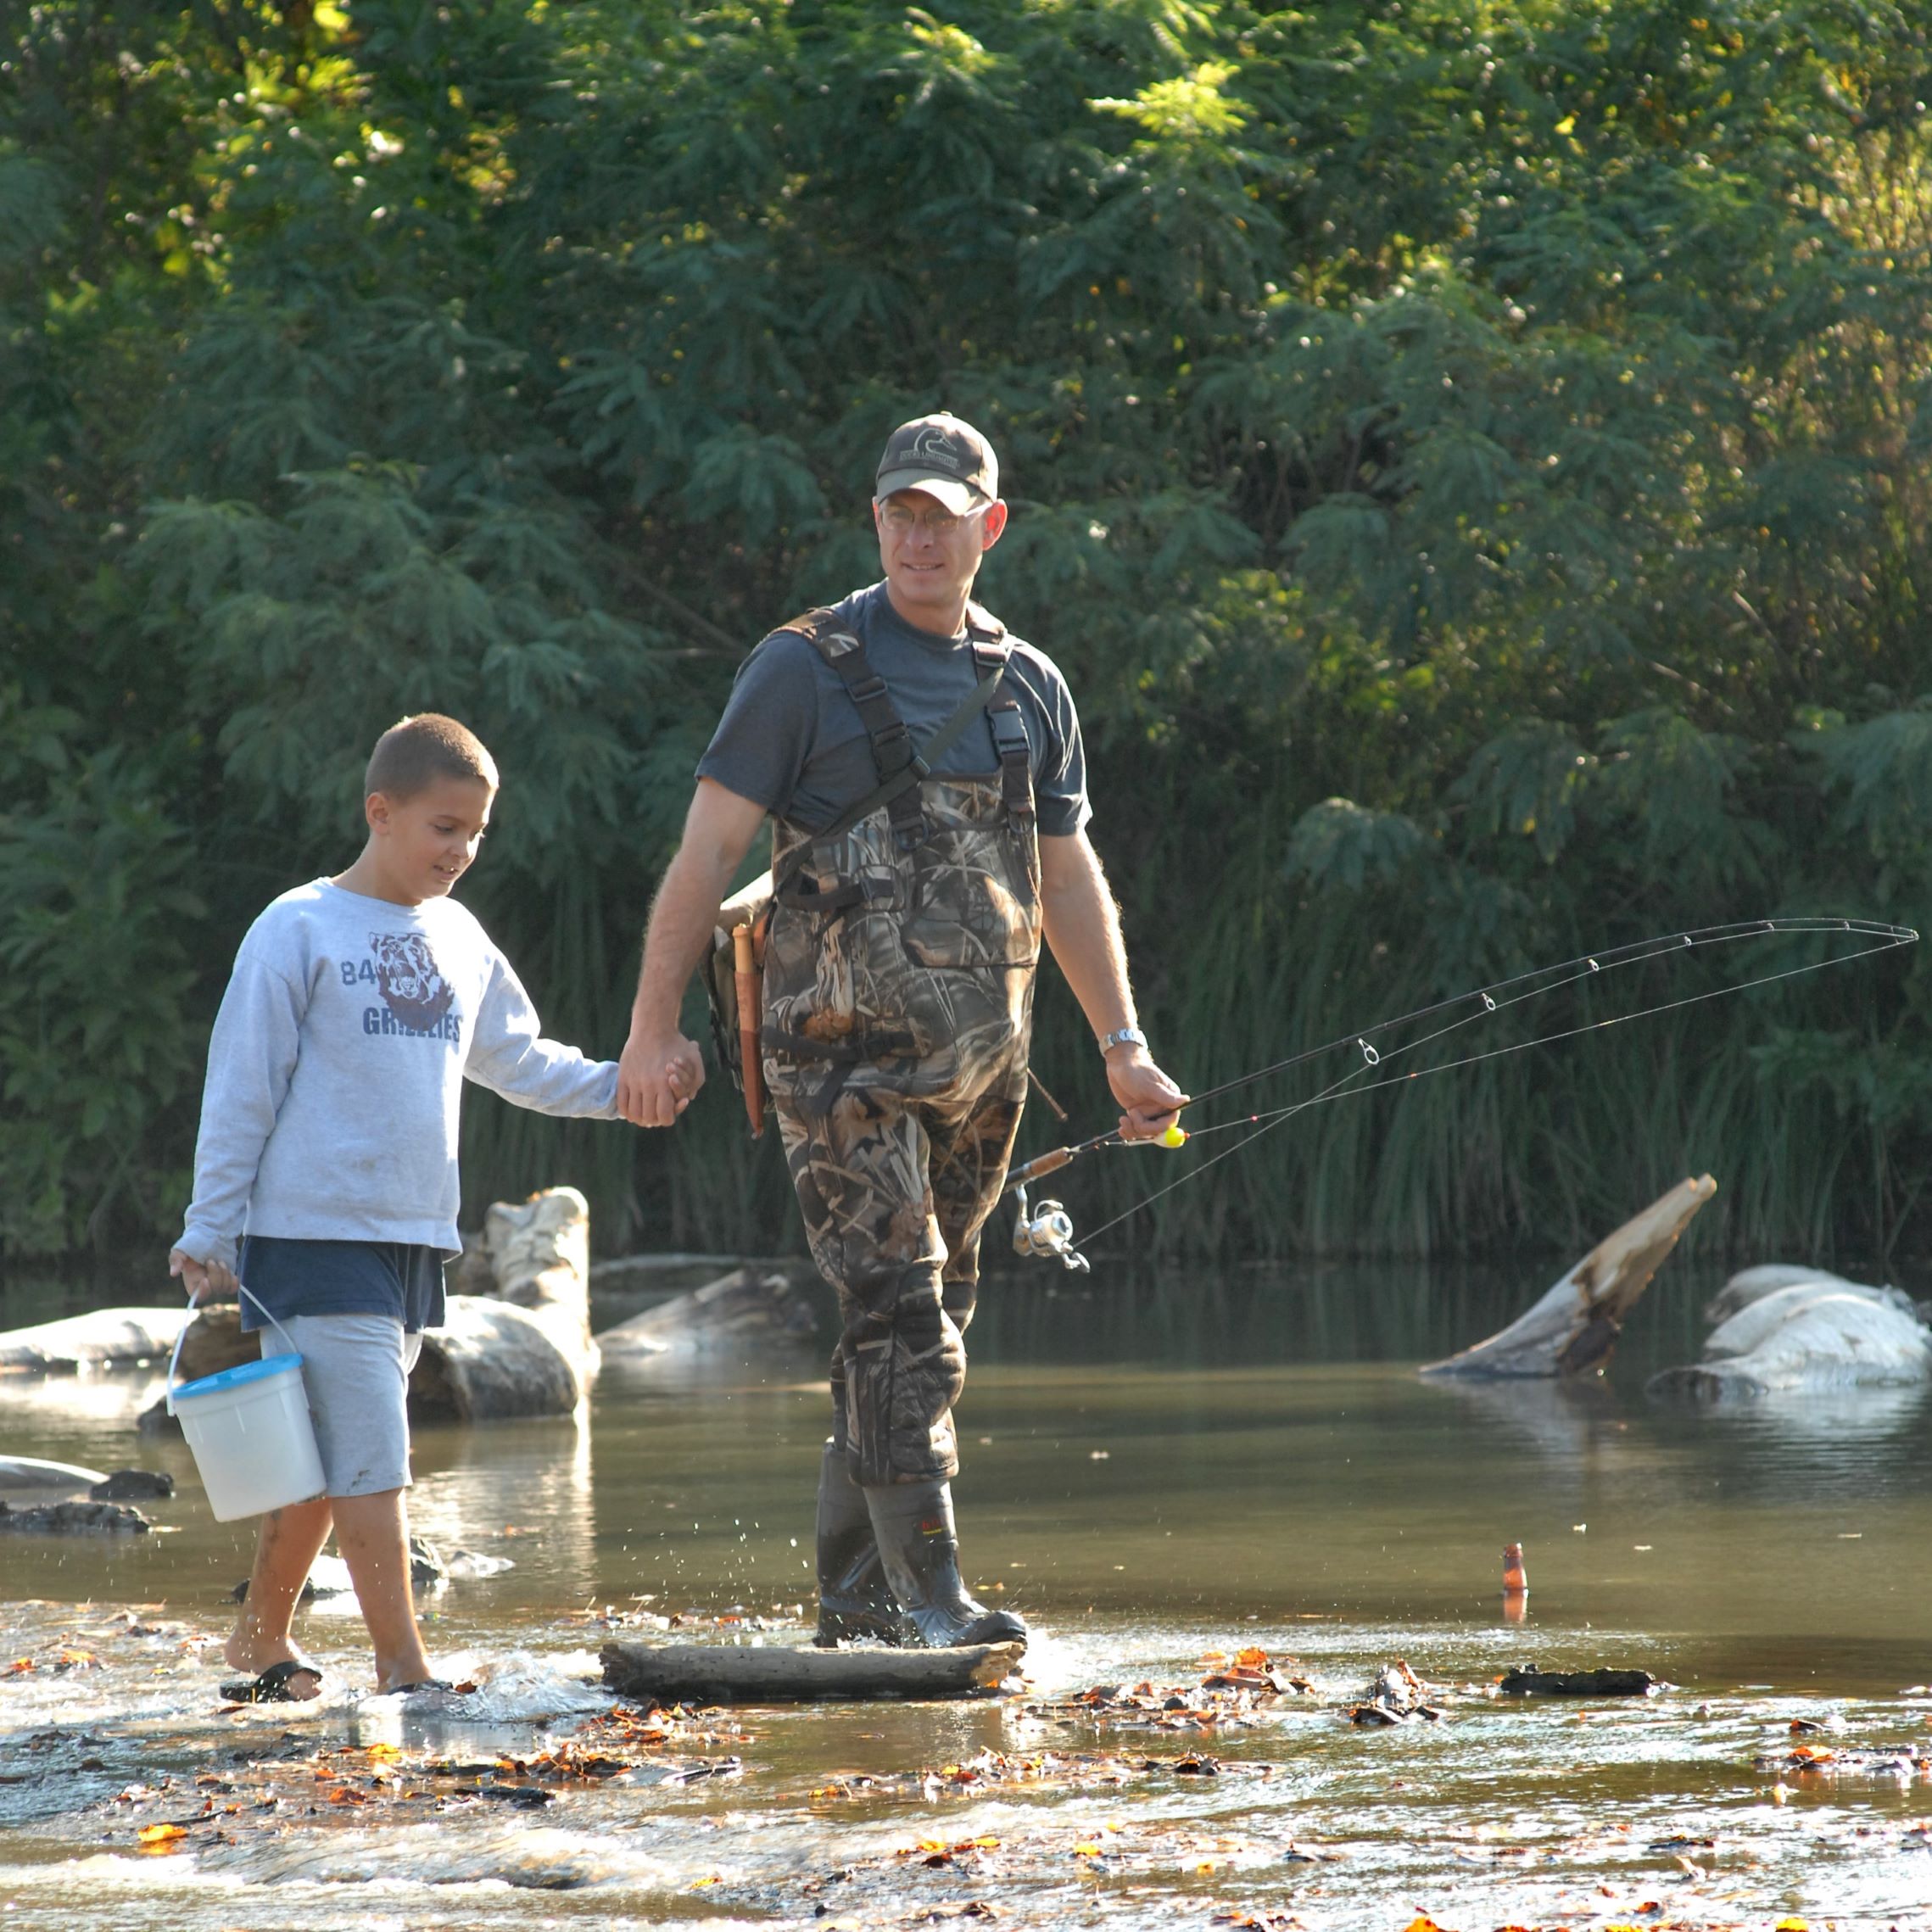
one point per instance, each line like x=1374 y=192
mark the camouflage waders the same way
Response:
x=898 y=996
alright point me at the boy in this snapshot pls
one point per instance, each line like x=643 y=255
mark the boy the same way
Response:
x=328 y=1134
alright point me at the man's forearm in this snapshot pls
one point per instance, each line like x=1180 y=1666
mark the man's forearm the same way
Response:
x=1083 y=930
x=719 y=831
x=682 y=917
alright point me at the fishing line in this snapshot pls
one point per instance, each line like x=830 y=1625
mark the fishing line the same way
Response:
x=1500 y=994
x=1490 y=1000
x=1541 y=1040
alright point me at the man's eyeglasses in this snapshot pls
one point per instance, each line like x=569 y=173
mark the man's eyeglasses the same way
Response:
x=901 y=521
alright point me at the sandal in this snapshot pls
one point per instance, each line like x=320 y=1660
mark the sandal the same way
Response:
x=272 y=1686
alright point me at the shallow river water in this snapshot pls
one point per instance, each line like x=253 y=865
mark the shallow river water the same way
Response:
x=1160 y=1475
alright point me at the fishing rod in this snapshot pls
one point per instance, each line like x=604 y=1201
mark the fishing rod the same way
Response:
x=1048 y=1231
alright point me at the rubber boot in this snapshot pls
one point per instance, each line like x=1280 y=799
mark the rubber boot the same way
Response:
x=853 y=1598
x=913 y=1524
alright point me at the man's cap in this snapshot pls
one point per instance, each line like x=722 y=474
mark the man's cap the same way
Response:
x=942 y=455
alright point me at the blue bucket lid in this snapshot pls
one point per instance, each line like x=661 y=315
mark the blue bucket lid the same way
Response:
x=234 y=1378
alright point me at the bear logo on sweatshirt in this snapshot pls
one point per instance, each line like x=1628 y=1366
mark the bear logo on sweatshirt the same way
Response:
x=406 y=974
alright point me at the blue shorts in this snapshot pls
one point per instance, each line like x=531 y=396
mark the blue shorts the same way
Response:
x=397 y=1278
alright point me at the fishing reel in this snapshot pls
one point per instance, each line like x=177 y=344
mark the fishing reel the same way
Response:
x=1048 y=1232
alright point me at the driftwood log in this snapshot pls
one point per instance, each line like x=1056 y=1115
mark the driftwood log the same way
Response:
x=30 y=1472
x=99 y=1340
x=749 y=1307
x=1572 y=1330
x=527 y=1349
x=705 y=1673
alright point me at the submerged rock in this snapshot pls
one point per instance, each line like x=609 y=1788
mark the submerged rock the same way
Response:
x=74 y=1519
x=1530 y=1682
x=328 y=1575
x=125 y=1485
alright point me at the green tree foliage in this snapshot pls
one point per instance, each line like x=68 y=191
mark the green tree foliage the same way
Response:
x=1468 y=458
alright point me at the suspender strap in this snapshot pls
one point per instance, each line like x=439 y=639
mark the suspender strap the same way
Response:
x=1013 y=749
x=892 y=749
x=845 y=654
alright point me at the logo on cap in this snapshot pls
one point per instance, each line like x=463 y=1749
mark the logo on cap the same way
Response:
x=933 y=445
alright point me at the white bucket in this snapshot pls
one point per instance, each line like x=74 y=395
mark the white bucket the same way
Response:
x=253 y=1443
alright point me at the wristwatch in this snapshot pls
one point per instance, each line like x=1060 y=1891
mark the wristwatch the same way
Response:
x=1122 y=1036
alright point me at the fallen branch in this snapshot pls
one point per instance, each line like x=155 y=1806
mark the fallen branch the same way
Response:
x=682 y=1673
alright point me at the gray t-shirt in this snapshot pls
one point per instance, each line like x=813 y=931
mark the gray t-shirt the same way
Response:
x=791 y=739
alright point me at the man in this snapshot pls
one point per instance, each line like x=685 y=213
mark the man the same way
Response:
x=898 y=988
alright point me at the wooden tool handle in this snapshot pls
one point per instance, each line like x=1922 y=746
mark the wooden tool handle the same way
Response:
x=750 y=999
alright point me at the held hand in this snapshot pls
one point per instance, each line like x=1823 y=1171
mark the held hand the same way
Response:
x=1149 y=1100
x=202 y=1279
x=657 y=1080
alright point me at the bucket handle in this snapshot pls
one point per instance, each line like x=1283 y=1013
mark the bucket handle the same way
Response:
x=175 y=1360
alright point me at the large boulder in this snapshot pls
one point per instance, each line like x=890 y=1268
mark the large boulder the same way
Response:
x=1812 y=1333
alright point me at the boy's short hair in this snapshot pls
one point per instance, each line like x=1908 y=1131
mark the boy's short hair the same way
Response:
x=415 y=752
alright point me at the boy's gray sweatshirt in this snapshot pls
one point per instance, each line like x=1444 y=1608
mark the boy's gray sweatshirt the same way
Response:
x=335 y=1072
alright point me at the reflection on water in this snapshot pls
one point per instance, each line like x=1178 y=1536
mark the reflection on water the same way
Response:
x=528 y=1497
x=1244 y=1458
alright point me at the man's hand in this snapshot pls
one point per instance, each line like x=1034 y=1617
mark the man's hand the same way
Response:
x=657 y=1079
x=201 y=1278
x=1150 y=1100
